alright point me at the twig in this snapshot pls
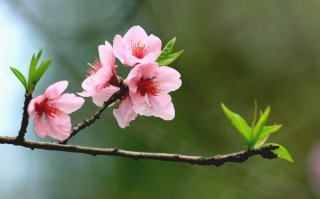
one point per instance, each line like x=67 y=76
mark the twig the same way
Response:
x=25 y=118
x=265 y=152
x=87 y=122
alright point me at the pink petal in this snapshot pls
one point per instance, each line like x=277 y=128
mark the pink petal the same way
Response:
x=40 y=126
x=135 y=34
x=31 y=108
x=88 y=83
x=68 y=102
x=140 y=103
x=119 y=47
x=129 y=59
x=106 y=55
x=149 y=70
x=161 y=106
x=125 y=114
x=150 y=57
x=154 y=45
x=102 y=96
x=59 y=127
x=169 y=79
x=133 y=79
x=86 y=93
x=102 y=77
x=56 y=89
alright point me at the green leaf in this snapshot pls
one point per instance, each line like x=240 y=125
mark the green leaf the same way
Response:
x=41 y=70
x=166 y=50
x=38 y=56
x=170 y=58
x=259 y=142
x=265 y=133
x=33 y=71
x=255 y=113
x=282 y=152
x=260 y=124
x=238 y=122
x=267 y=130
x=20 y=76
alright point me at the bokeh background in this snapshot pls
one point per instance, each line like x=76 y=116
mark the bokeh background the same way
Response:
x=235 y=52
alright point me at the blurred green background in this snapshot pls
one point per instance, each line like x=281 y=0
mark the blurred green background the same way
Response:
x=235 y=52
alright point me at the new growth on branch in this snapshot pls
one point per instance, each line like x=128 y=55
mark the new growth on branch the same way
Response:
x=145 y=91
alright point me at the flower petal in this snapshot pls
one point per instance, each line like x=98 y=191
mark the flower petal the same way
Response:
x=68 y=102
x=119 y=47
x=154 y=45
x=102 y=96
x=56 y=89
x=139 y=103
x=148 y=70
x=102 y=78
x=59 y=127
x=106 y=55
x=168 y=78
x=88 y=86
x=41 y=126
x=125 y=113
x=150 y=57
x=135 y=34
x=130 y=60
x=161 y=106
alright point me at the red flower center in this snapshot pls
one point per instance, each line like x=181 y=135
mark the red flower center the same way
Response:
x=45 y=108
x=139 y=50
x=148 y=86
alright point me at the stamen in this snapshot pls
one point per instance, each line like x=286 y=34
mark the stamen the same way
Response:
x=45 y=108
x=139 y=50
x=148 y=86
x=94 y=67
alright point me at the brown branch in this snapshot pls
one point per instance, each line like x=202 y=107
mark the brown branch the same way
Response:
x=87 y=122
x=25 y=118
x=265 y=152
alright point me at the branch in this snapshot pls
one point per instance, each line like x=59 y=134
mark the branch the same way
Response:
x=265 y=152
x=87 y=122
x=25 y=118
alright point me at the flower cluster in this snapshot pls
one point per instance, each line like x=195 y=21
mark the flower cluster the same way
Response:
x=148 y=85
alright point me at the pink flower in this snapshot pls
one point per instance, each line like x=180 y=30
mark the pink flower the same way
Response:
x=149 y=86
x=136 y=47
x=97 y=85
x=51 y=111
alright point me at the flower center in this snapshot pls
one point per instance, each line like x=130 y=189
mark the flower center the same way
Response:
x=139 y=50
x=148 y=86
x=45 y=108
x=94 y=67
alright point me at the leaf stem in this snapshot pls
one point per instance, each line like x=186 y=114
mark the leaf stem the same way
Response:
x=255 y=113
